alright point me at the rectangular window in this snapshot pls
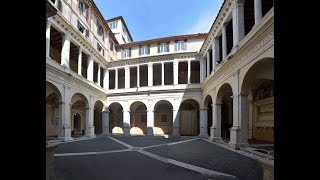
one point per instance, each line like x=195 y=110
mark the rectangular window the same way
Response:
x=111 y=45
x=83 y=7
x=125 y=53
x=113 y=25
x=100 y=49
x=100 y=30
x=180 y=45
x=164 y=47
x=81 y=28
x=144 y=50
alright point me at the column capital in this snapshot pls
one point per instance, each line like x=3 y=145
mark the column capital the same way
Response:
x=67 y=35
x=203 y=109
x=48 y=23
x=105 y=111
x=218 y=103
x=150 y=64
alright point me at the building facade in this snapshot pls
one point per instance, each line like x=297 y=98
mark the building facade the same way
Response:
x=217 y=85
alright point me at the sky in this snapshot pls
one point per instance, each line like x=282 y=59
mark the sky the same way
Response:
x=149 y=19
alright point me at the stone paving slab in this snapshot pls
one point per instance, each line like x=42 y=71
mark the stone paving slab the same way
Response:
x=210 y=156
x=90 y=145
x=122 y=166
x=142 y=141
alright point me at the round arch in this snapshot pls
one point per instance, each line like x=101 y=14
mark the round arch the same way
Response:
x=208 y=106
x=53 y=119
x=224 y=104
x=163 y=117
x=138 y=118
x=189 y=117
x=258 y=85
x=115 y=118
x=79 y=103
x=97 y=120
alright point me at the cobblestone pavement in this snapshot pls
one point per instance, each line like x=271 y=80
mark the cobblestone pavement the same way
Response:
x=207 y=155
x=90 y=145
x=173 y=158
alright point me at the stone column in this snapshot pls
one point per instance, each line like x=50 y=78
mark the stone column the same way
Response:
x=201 y=70
x=203 y=122
x=224 y=41
x=106 y=79
x=65 y=52
x=215 y=52
x=89 y=123
x=80 y=61
x=126 y=122
x=98 y=79
x=162 y=73
x=257 y=11
x=90 y=69
x=138 y=76
x=250 y=115
x=235 y=130
x=175 y=72
x=208 y=63
x=243 y=113
x=65 y=116
x=116 y=78
x=204 y=69
x=150 y=75
x=127 y=77
x=150 y=122
x=48 y=38
x=189 y=72
x=176 y=122
x=215 y=129
x=238 y=22
x=105 y=122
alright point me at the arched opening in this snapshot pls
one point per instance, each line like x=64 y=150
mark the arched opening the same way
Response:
x=189 y=118
x=97 y=121
x=116 y=118
x=78 y=109
x=258 y=85
x=138 y=118
x=163 y=116
x=53 y=97
x=77 y=130
x=208 y=105
x=225 y=101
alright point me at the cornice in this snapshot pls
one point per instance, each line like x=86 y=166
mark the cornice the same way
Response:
x=156 y=58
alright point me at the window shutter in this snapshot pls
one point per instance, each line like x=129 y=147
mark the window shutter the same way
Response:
x=175 y=46
x=140 y=50
x=185 y=44
x=60 y=5
x=129 y=52
x=148 y=49
x=122 y=53
x=158 y=48
x=87 y=32
x=168 y=45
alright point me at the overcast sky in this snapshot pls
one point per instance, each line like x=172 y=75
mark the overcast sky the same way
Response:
x=148 y=19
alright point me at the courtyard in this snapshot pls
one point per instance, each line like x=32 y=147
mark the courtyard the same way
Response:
x=145 y=157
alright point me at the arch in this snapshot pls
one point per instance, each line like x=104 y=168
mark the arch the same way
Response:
x=163 y=116
x=138 y=118
x=116 y=118
x=53 y=112
x=79 y=103
x=208 y=106
x=258 y=87
x=189 y=118
x=97 y=120
x=224 y=104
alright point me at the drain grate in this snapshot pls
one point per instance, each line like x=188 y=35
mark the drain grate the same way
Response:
x=264 y=151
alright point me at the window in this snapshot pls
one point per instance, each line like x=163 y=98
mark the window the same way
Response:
x=180 y=45
x=125 y=53
x=144 y=50
x=100 y=30
x=82 y=29
x=100 y=49
x=83 y=7
x=111 y=45
x=163 y=47
x=113 y=25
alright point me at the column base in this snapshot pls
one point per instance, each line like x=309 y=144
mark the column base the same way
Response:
x=65 y=134
x=150 y=131
x=106 y=131
x=90 y=132
x=204 y=135
x=176 y=131
x=64 y=139
x=235 y=137
x=215 y=139
x=126 y=131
